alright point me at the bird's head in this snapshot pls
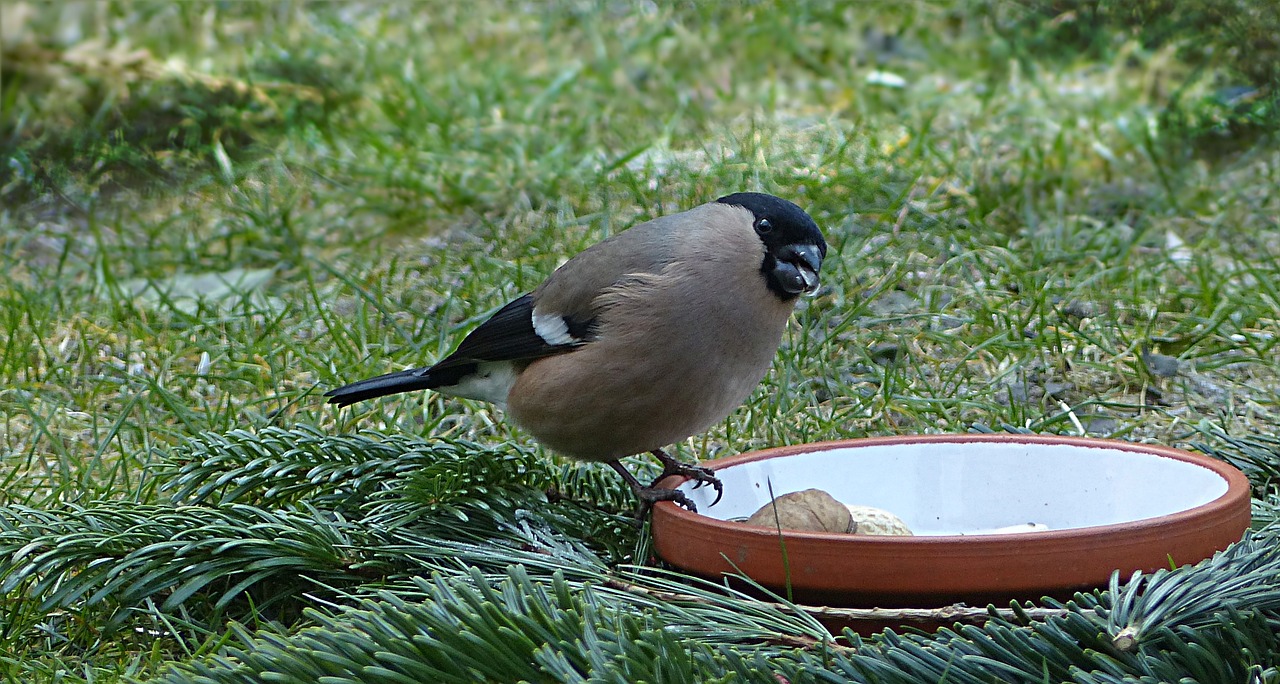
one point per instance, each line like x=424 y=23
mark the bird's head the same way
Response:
x=793 y=245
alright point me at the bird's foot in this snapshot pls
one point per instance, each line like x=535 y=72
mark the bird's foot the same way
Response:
x=699 y=474
x=651 y=495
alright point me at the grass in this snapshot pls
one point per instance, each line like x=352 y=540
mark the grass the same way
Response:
x=1021 y=238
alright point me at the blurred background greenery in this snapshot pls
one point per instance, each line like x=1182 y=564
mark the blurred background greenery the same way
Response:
x=1044 y=215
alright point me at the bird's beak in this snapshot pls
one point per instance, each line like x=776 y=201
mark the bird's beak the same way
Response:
x=797 y=268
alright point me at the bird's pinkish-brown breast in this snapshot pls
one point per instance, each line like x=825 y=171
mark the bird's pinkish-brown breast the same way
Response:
x=701 y=334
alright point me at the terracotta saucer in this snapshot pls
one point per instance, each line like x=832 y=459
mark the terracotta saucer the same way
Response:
x=1108 y=505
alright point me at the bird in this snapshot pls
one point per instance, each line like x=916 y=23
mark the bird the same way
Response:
x=639 y=341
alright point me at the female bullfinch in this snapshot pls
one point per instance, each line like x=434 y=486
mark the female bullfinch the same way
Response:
x=641 y=340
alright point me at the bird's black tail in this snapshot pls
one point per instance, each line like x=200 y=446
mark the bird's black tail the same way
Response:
x=391 y=383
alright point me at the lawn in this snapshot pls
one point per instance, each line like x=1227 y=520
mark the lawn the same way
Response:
x=1055 y=217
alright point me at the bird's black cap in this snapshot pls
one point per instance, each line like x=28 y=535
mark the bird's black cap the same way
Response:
x=793 y=245
x=791 y=223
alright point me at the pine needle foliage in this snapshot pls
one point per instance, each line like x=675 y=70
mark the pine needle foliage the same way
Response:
x=132 y=552
x=469 y=631
x=1215 y=621
x=371 y=558
x=1256 y=455
x=278 y=467
x=522 y=627
x=255 y=521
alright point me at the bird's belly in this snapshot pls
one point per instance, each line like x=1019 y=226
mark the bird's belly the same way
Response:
x=590 y=405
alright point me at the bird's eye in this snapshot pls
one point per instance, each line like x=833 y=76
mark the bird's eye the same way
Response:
x=764 y=226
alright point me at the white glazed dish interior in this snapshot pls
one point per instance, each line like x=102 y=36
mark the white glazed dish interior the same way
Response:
x=966 y=488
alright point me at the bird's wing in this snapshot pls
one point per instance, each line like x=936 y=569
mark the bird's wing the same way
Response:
x=508 y=335
x=560 y=315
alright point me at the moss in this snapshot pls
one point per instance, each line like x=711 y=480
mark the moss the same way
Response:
x=98 y=119
x=1233 y=43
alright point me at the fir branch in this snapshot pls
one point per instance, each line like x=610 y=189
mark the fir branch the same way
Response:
x=468 y=631
x=473 y=620
x=391 y=480
x=591 y=483
x=275 y=467
x=1257 y=455
x=128 y=553
x=1266 y=510
x=513 y=567
x=1245 y=577
x=198 y=558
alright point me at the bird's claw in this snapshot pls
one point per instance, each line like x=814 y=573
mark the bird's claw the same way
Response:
x=700 y=476
x=652 y=495
x=704 y=476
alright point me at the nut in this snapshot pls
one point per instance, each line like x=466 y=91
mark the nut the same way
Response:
x=811 y=510
x=870 y=520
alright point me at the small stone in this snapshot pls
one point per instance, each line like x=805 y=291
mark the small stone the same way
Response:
x=811 y=510
x=1099 y=425
x=884 y=352
x=1016 y=391
x=1057 y=389
x=1153 y=396
x=1080 y=309
x=945 y=322
x=1207 y=388
x=1160 y=365
x=893 y=302
x=876 y=521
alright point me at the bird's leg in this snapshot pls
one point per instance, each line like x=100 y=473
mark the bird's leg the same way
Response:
x=697 y=473
x=650 y=495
